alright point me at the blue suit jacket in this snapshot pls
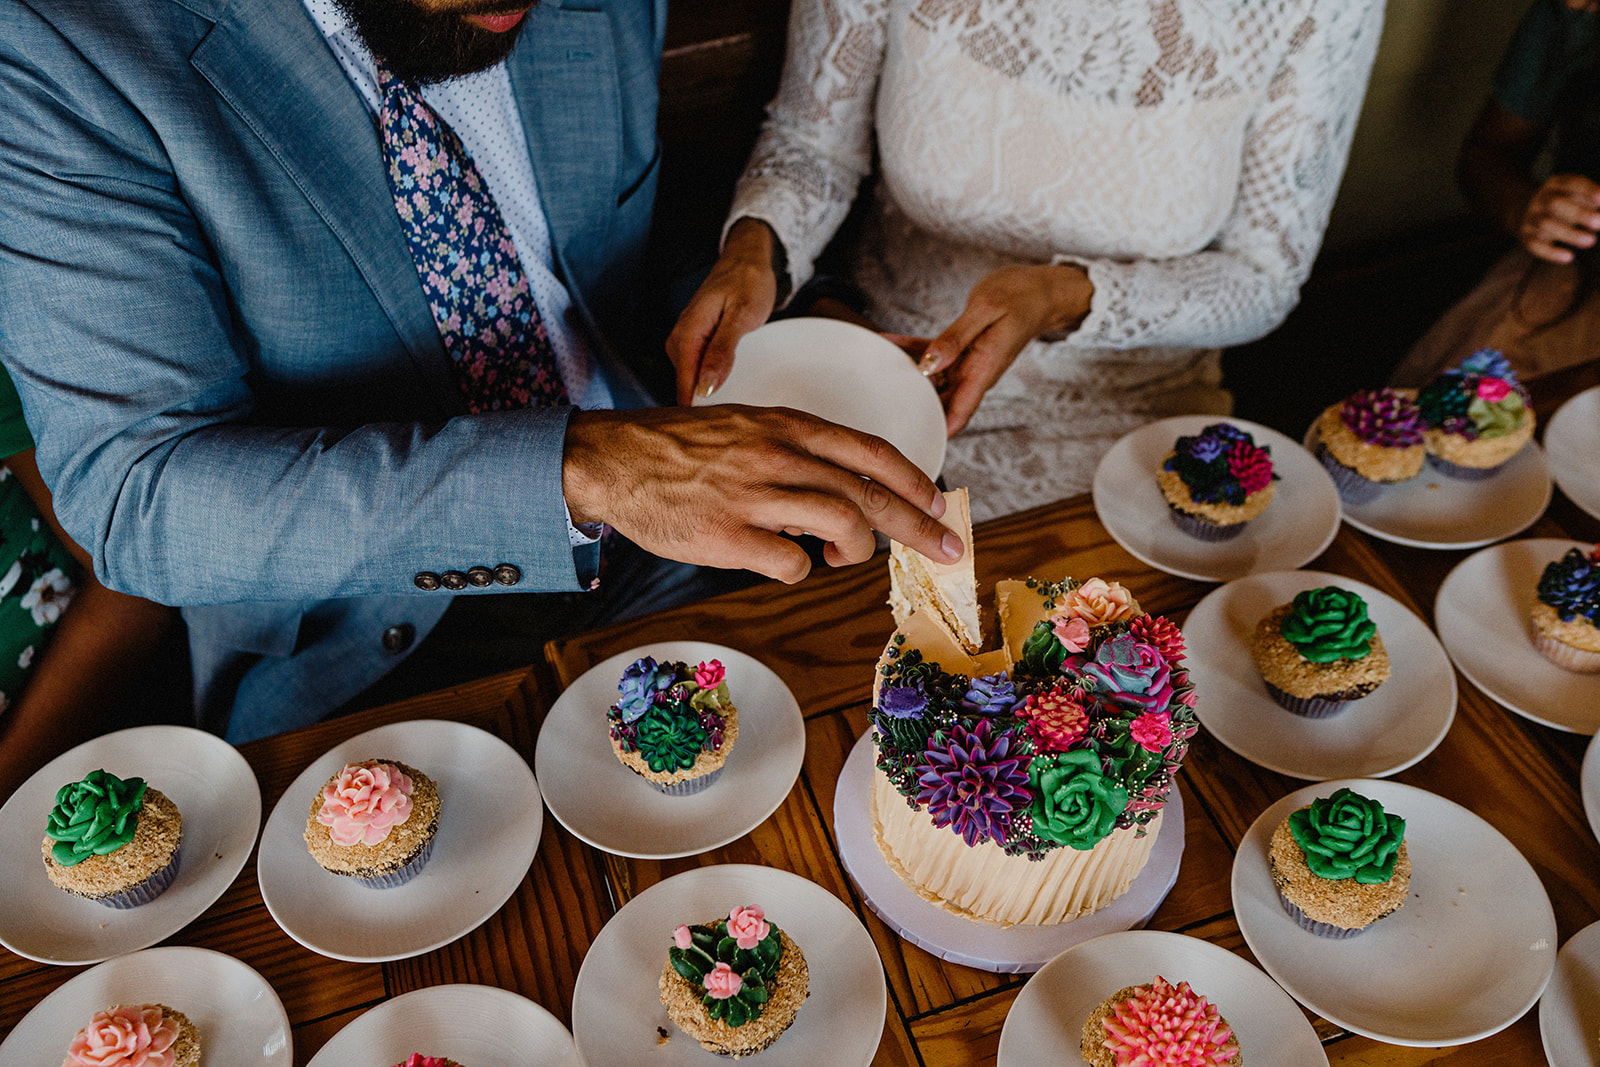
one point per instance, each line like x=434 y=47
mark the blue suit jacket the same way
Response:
x=222 y=345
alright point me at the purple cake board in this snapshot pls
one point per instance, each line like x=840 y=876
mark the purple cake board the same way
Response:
x=985 y=946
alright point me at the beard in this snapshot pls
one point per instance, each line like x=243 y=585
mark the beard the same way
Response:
x=422 y=47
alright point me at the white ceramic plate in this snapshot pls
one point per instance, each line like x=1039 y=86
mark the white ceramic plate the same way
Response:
x=240 y=1019
x=471 y=1024
x=217 y=795
x=1435 y=511
x=1482 y=615
x=1569 y=1011
x=604 y=803
x=1302 y=518
x=490 y=819
x=1394 y=727
x=1572 y=446
x=843 y=373
x=985 y=946
x=616 y=1005
x=1589 y=783
x=1045 y=1025
x=1469 y=952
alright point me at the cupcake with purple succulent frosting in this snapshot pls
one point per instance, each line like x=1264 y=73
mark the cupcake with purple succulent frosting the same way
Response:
x=1477 y=416
x=1566 y=612
x=674 y=724
x=1216 y=481
x=1370 y=441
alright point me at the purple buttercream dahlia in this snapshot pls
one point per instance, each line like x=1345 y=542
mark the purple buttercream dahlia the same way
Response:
x=1383 y=417
x=972 y=781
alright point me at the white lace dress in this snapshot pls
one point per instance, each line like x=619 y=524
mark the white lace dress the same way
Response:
x=1184 y=152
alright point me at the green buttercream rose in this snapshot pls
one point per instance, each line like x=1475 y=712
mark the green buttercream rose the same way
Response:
x=94 y=817
x=1074 y=804
x=1348 y=835
x=1327 y=624
x=1496 y=418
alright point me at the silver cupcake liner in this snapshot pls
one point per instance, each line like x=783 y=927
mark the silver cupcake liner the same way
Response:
x=690 y=786
x=1328 y=930
x=147 y=890
x=400 y=875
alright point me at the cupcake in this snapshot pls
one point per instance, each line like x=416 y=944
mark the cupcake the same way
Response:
x=1319 y=652
x=673 y=724
x=1340 y=864
x=113 y=841
x=734 y=984
x=1159 y=1023
x=1477 y=416
x=417 y=1059
x=1216 y=482
x=375 y=822
x=1566 y=612
x=1371 y=441
x=141 y=1035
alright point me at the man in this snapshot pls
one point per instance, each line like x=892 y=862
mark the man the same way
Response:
x=240 y=329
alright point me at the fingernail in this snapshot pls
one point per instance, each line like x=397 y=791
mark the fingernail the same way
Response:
x=707 y=386
x=951 y=544
x=938 y=507
x=929 y=363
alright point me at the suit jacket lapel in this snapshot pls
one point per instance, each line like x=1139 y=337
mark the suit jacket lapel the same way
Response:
x=322 y=134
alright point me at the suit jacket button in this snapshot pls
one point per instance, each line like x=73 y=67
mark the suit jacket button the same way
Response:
x=398 y=638
x=507 y=574
x=480 y=576
x=453 y=580
x=427 y=581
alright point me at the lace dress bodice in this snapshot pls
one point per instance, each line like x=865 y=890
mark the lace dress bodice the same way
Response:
x=1184 y=152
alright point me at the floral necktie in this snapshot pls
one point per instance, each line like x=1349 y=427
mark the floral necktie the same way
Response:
x=465 y=257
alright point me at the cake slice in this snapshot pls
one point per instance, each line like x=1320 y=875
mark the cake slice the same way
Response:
x=946 y=593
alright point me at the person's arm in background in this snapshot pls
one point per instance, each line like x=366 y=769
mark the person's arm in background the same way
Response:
x=95 y=653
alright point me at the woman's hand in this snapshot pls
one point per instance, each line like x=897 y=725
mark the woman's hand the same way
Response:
x=736 y=297
x=1563 y=214
x=1004 y=312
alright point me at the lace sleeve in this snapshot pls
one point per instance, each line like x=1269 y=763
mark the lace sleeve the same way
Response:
x=1249 y=278
x=816 y=143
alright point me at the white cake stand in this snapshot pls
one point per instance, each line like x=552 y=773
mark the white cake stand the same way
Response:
x=971 y=943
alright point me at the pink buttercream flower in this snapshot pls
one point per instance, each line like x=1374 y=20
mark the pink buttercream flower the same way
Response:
x=709 y=675
x=1152 y=730
x=1073 y=633
x=1098 y=601
x=364 y=801
x=127 y=1036
x=1162 y=632
x=723 y=982
x=682 y=938
x=747 y=926
x=1056 y=719
x=1167 y=1025
x=1493 y=389
x=1250 y=464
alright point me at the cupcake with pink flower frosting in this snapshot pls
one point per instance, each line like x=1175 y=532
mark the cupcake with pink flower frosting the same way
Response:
x=139 y=1035
x=1216 y=481
x=1159 y=1024
x=1370 y=441
x=734 y=984
x=417 y=1059
x=1478 y=415
x=374 y=821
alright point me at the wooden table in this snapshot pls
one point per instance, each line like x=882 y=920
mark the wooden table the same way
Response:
x=822 y=638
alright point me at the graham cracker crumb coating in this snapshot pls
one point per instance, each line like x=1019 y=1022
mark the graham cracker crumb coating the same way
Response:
x=704 y=763
x=157 y=835
x=1094 y=1032
x=1578 y=632
x=1280 y=664
x=1373 y=462
x=1177 y=494
x=1342 y=902
x=788 y=992
x=403 y=844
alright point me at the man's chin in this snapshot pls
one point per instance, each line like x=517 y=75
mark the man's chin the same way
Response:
x=422 y=48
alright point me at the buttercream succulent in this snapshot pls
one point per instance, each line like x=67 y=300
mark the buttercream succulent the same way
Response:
x=732 y=962
x=1571 y=585
x=1057 y=718
x=1161 y=632
x=1075 y=803
x=990 y=694
x=1127 y=672
x=902 y=701
x=1383 y=417
x=1347 y=835
x=1327 y=624
x=1221 y=465
x=640 y=683
x=94 y=816
x=1480 y=398
x=1165 y=1026
x=668 y=741
x=972 y=780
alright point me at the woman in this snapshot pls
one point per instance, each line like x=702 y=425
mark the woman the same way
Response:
x=1079 y=201
x=1537 y=304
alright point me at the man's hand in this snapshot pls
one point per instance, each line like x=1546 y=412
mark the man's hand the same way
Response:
x=716 y=486
x=736 y=297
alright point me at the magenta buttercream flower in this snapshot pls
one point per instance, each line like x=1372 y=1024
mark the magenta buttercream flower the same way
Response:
x=1160 y=631
x=1493 y=390
x=1251 y=465
x=709 y=675
x=1152 y=730
x=1056 y=719
x=682 y=938
x=1073 y=633
x=747 y=926
x=722 y=982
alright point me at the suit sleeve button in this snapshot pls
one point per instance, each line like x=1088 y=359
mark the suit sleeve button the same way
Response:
x=427 y=581
x=480 y=576
x=453 y=580
x=398 y=638
x=507 y=574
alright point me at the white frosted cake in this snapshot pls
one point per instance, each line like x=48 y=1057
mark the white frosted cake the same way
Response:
x=1025 y=785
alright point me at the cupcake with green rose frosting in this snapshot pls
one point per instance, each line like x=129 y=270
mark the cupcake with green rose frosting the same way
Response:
x=1340 y=864
x=1320 y=652
x=674 y=724
x=111 y=840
